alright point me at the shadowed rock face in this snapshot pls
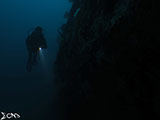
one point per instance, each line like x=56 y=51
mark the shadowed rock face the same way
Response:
x=108 y=62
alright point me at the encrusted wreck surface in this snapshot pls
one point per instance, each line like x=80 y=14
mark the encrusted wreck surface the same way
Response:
x=108 y=66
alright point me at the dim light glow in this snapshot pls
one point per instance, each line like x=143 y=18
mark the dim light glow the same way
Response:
x=40 y=48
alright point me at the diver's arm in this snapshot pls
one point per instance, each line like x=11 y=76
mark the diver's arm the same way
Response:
x=29 y=44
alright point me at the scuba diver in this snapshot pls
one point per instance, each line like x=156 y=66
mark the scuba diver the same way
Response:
x=35 y=42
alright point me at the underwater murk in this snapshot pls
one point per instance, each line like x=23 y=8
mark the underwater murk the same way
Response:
x=29 y=95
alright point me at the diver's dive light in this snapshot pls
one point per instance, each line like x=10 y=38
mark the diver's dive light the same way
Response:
x=40 y=48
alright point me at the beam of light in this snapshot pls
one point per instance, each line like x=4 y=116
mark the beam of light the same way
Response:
x=42 y=58
x=46 y=69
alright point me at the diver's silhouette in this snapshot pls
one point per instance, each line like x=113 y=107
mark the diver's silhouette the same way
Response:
x=35 y=42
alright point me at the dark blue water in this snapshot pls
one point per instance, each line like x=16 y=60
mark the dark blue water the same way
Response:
x=29 y=94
